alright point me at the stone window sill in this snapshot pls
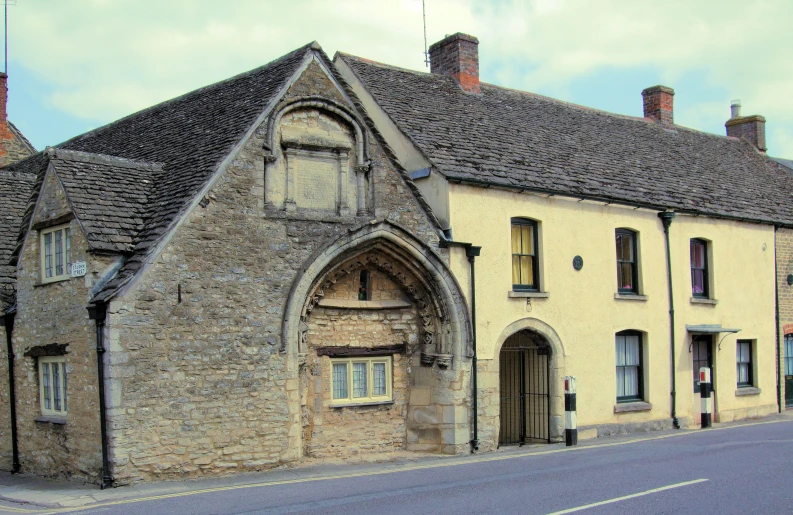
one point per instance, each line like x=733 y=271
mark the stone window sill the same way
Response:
x=51 y=420
x=52 y=281
x=747 y=390
x=624 y=407
x=356 y=404
x=630 y=296
x=707 y=302
x=364 y=304
x=528 y=294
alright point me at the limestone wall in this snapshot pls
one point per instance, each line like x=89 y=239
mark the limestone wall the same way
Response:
x=5 y=406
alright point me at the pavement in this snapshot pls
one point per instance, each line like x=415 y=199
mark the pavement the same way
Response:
x=24 y=493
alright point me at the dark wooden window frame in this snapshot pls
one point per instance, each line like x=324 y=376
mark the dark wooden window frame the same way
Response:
x=750 y=364
x=705 y=294
x=365 y=285
x=535 y=286
x=640 y=369
x=634 y=289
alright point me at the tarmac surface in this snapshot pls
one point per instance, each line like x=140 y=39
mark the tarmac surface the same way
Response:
x=732 y=468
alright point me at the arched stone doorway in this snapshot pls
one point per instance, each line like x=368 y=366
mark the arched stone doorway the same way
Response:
x=524 y=381
x=379 y=334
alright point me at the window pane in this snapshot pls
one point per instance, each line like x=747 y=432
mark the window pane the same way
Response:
x=620 y=351
x=516 y=239
x=625 y=247
x=340 y=381
x=620 y=382
x=65 y=384
x=527 y=270
x=359 y=380
x=56 y=385
x=68 y=251
x=527 y=239
x=698 y=281
x=48 y=254
x=743 y=373
x=632 y=350
x=516 y=270
x=58 y=252
x=697 y=255
x=620 y=252
x=378 y=377
x=625 y=276
x=631 y=381
x=45 y=380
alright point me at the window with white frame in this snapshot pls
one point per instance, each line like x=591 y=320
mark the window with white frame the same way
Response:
x=56 y=253
x=360 y=380
x=53 y=386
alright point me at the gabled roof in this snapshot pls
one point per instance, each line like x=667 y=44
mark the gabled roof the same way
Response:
x=15 y=190
x=177 y=144
x=526 y=141
x=22 y=139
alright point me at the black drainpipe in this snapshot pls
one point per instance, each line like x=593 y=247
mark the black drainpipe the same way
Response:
x=778 y=341
x=8 y=322
x=471 y=252
x=666 y=219
x=98 y=312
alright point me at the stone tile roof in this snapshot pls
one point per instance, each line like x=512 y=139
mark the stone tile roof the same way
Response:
x=526 y=141
x=188 y=137
x=22 y=139
x=15 y=188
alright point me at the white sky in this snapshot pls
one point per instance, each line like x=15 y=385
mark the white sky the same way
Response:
x=93 y=61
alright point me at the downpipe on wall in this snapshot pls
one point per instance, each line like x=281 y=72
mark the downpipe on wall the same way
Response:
x=98 y=313
x=471 y=252
x=8 y=321
x=666 y=219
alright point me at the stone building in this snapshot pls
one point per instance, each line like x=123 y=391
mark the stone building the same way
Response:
x=287 y=264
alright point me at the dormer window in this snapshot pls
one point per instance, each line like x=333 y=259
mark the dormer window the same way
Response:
x=56 y=253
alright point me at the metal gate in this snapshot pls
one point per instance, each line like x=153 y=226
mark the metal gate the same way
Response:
x=525 y=383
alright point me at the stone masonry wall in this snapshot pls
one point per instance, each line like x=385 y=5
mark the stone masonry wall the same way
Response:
x=784 y=263
x=56 y=313
x=5 y=406
x=345 y=431
x=199 y=387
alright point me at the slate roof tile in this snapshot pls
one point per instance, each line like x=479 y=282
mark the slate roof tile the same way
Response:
x=523 y=140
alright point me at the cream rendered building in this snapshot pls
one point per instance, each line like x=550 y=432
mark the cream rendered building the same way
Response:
x=492 y=161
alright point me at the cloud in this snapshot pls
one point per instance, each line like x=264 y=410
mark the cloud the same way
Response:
x=107 y=58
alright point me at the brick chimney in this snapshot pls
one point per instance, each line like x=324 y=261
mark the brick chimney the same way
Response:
x=457 y=56
x=751 y=128
x=659 y=104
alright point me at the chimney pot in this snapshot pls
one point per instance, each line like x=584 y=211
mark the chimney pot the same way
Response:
x=659 y=104
x=750 y=128
x=457 y=56
x=735 y=108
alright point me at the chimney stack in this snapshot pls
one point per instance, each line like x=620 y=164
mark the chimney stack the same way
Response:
x=659 y=104
x=3 y=98
x=457 y=56
x=751 y=128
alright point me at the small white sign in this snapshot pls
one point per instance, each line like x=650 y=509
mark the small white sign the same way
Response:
x=78 y=269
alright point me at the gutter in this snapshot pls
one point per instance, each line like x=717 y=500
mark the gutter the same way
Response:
x=471 y=252
x=8 y=321
x=98 y=313
x=666 y=219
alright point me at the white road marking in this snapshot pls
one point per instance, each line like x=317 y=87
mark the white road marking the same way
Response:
x=625 y=497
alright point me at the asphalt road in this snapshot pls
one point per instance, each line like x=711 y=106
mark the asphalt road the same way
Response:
x=742 y=469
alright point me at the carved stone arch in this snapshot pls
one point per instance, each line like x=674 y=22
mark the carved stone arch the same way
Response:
x=537 y=326
x=430 y=272
x=322 y=104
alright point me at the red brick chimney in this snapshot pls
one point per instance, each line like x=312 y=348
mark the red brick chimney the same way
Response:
x=751 y=128
x=659 y=104
x=457 y=56
x=3 y=98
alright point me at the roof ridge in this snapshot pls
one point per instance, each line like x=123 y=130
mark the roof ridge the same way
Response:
x=540 y=96
x=304 y=49
x=96 y=158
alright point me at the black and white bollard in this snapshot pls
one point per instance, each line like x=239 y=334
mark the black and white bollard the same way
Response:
x=570 y=422
x=704 y=393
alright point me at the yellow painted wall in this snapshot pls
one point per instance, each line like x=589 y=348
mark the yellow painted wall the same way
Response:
x=582 y=309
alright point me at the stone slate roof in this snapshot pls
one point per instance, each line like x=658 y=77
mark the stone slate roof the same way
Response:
x=526 y=141
x=785 y=162
x=109 y=196
x=177 y=144
x=22 y=139
x=15 y=188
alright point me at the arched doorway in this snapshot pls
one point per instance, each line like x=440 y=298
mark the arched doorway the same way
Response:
x=524 y=380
